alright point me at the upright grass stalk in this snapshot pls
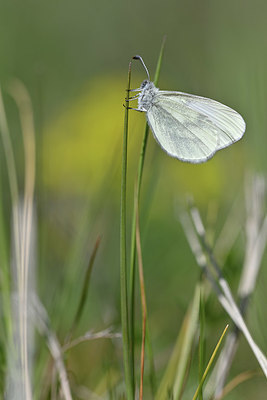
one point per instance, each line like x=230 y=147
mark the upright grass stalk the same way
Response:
x=201 y=346
x=143 y=300
x=21 y=226
x=84 y=293
x=13 y=183
x=123 y=262
x=22 y=99
x=23 y=102
x=133 y=233
x=5 y=259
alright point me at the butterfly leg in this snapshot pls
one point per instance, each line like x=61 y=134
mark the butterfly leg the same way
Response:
x=133 y=90
x=132 y=98
x=131 y=108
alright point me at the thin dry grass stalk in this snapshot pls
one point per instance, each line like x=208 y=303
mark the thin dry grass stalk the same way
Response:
x=105 y=334
x=22 y=227
x=196 y=235
x=41 y=319
x=143 y=296
x=256 y=239
x=23 y=101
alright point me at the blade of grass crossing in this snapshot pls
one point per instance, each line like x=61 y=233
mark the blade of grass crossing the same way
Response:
x=243 y=377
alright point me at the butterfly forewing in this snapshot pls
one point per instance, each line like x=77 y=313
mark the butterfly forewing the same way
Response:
x=230 y=124
x=182 y=132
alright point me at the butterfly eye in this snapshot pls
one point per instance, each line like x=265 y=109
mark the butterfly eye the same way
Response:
x=143 y=84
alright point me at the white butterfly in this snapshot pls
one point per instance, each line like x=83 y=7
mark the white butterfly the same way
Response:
x=190 y=128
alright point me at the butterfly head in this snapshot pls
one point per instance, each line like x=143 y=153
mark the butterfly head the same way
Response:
x=144 y=84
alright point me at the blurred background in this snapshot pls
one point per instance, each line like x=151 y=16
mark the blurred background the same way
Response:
x=73 y=59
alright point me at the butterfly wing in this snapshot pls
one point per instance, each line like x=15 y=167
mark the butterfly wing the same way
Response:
x=192 y=128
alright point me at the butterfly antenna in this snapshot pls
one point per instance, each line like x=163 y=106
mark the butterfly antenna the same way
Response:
x=144 y=65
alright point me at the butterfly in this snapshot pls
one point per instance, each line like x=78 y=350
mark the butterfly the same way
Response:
x=188 y=127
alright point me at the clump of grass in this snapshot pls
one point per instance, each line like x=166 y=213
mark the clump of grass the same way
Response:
x=128 y=312
x=175 y=376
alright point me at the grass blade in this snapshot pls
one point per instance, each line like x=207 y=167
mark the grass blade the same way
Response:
x=85 y=287
x=186 y=351
x=174 y=376
x=210 y=363
x=14 y=192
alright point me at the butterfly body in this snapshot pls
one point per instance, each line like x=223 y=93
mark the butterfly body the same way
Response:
x=147 y=96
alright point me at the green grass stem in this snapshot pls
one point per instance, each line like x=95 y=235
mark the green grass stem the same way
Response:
x=133 y=234
x=201 y=345
x=128 y=371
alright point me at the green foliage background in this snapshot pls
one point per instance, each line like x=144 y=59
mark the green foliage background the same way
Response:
x=73 y=58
